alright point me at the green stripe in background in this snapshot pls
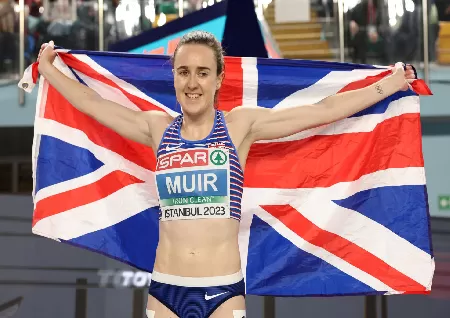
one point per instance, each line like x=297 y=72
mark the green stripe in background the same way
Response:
x=194 y=200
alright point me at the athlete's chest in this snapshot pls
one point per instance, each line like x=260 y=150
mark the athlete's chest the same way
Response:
x=195 y=181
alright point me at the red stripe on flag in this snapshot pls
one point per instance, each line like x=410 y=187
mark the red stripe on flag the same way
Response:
x=231 y=92
x=344 y=249
x=84 y=68
x=369 y=80
x=418 y=86
x=321 y=161
x=60 y=110
x=84 y=195
x=421 y=88
x=35 y=72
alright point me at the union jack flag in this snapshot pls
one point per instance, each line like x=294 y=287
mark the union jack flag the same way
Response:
x=339 y=209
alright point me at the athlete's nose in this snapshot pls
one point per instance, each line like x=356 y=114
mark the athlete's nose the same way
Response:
x=192 y=82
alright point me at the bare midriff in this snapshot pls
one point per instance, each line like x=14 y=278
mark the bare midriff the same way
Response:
x=198 y=248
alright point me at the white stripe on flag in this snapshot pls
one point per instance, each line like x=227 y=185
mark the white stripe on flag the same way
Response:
x=41 y=98
x=366 y=123
x=320 y=252
x=108 y=92
x=108 y=157
x=98 y=215
x=371 y=236
x=394 y=250
x=244 y=232
x=74 y=183
x=389 y=247
x=39 y=112
x=382 y=178
x=121 y=83
x=329 y=85
x=250 y=81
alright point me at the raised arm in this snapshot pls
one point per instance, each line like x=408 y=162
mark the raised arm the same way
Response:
x=134 y=125
x=266 y=124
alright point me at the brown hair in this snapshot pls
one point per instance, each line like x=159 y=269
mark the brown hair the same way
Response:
x=208 y=39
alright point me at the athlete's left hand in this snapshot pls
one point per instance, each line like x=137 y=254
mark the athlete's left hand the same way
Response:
x=406 y=73
x=409 y=72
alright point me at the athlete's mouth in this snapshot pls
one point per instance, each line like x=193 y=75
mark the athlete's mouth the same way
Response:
x=193 y=96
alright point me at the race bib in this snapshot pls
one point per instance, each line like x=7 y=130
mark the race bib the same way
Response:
x=194 y=184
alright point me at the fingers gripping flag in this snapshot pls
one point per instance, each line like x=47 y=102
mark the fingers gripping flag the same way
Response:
x=339 y=209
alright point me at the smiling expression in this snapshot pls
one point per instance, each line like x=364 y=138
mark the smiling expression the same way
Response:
x=195 y=78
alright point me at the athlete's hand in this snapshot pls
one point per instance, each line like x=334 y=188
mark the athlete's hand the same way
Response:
x=409 y=73
x=46 y=55
x=404 y=75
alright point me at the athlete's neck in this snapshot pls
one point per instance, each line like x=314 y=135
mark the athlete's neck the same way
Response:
x=198 y=127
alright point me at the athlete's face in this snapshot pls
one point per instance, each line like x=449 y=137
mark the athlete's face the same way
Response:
x=195 y=78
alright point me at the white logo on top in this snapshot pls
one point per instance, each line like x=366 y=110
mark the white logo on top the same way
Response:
x=168 y=148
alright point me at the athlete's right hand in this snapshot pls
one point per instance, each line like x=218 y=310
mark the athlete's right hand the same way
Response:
x=46 y=55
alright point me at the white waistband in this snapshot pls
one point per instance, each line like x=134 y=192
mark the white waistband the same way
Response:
x=197 y=281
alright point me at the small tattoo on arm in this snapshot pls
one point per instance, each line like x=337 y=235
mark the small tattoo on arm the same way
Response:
x=379 y=89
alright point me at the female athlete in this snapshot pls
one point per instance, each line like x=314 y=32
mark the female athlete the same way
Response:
x=201 y=157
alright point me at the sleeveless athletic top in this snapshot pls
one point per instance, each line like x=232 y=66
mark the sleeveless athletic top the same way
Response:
x=201 y=178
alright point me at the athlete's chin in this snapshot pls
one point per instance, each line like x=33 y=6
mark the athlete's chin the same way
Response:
x=195 y=101
x=194 y=108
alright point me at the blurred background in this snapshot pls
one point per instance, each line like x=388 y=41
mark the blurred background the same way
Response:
x=44 y=279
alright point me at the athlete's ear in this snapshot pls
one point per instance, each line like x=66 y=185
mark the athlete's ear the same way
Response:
x=220 y=78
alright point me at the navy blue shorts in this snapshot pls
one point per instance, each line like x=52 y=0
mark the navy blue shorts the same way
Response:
x=195 y=297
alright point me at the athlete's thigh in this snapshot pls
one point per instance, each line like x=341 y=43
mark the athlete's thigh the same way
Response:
x=156 y=309
x=232 y=308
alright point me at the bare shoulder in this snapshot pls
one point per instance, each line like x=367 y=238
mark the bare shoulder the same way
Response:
x=243 y=117
x=157 y=122
x=158 y=117
x=239 y=122
x=244 y=114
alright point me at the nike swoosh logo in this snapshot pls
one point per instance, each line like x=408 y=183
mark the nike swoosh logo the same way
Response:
x=172 y=148
x=213 y=296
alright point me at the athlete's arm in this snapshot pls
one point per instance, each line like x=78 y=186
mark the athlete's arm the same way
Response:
x=134 y=125
x=267 y=124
